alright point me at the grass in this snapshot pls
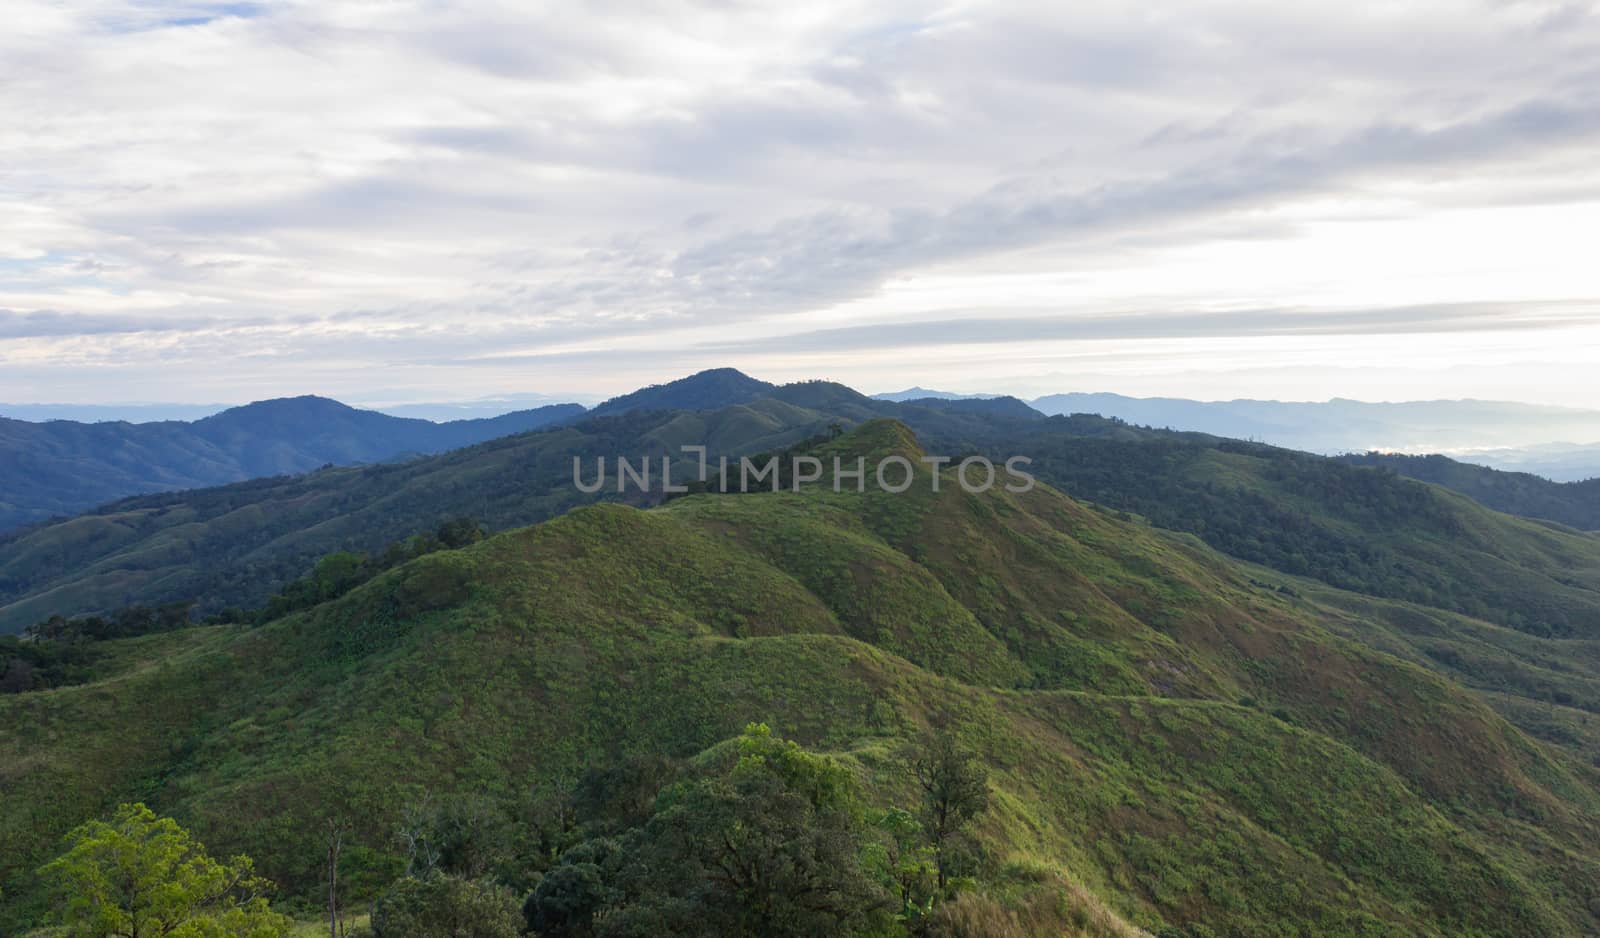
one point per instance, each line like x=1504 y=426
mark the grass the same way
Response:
x=1184 y=746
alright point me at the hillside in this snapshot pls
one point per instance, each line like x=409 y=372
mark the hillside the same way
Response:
x=1351 y=527
x=236 y=545
x=1575 y=504
x=1190 y=746
x=61 y=467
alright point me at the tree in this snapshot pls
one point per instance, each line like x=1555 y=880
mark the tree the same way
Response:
x=769 y=845
x=334 y=829
x=465 y=835
x=902 y=857
x=143 y=876
x=955 y=790
x=614 y=796
x=568 y=897
x=459 y=532
x=439 y=905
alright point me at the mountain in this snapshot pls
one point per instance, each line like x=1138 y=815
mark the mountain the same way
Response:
x=1003 y=406
x=61 y=467
x=235 y=545
x=1558 y=462
x=1347 y=526
x=1351 y=527
x=1575 y=504
x=919 y=393
x=706 y=390
x=1198 y=746
x=1340 y=426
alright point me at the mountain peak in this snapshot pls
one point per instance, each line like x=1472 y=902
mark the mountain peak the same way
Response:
x=876 y=440
x=711 y=389
x=300 y=405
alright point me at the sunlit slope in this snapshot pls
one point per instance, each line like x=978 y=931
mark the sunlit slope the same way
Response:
x=235 y=545
x=1190 y=746
x=1356 y=528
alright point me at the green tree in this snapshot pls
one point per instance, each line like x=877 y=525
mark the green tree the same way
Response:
x=459 y=532
x=568 y=897
x=143 y=876
x=439 y=905
x=955 y=790
x=768 y=846
x=902 y=858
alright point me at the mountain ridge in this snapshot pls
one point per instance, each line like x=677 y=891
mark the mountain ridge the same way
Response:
x=62 y=467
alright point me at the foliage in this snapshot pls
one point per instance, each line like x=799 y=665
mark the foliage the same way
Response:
x=34 y=665
x=439 y=905
x=125 y=622
x=766 y=843
x=342 y=571
x=142 y=875
x=1190 y=746
x=955 y=790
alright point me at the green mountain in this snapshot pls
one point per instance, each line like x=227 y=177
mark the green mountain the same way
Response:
x=61 y=467
x=1193 y=743
x=236 y=545
x=1351 y=527
x=1575 y=504
x=706 y=390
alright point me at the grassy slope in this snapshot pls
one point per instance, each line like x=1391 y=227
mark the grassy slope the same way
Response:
x=237 y=544
x=1348 y=526
x=1185 y=744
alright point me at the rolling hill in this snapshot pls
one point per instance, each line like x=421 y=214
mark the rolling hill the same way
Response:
x=1199 y=749
x=236 y=545
x=1351 y=527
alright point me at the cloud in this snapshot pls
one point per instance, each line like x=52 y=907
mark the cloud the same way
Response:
x=51 y=323
x=1423 y=320
x=328 y=186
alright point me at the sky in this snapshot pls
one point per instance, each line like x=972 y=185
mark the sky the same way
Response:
x=391 y=202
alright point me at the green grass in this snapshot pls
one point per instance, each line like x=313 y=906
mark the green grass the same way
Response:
x=1187 y=746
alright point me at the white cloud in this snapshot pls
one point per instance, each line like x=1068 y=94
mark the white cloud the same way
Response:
x=348 y=197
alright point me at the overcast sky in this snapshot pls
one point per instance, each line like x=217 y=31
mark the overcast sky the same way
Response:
x=430 y=201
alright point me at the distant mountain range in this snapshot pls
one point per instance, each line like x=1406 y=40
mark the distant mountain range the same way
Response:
x=921 y=393
x=62 y=467
x=1301 y=513
x=1339 y=425
x=1560 y=462
x=1500 y=434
